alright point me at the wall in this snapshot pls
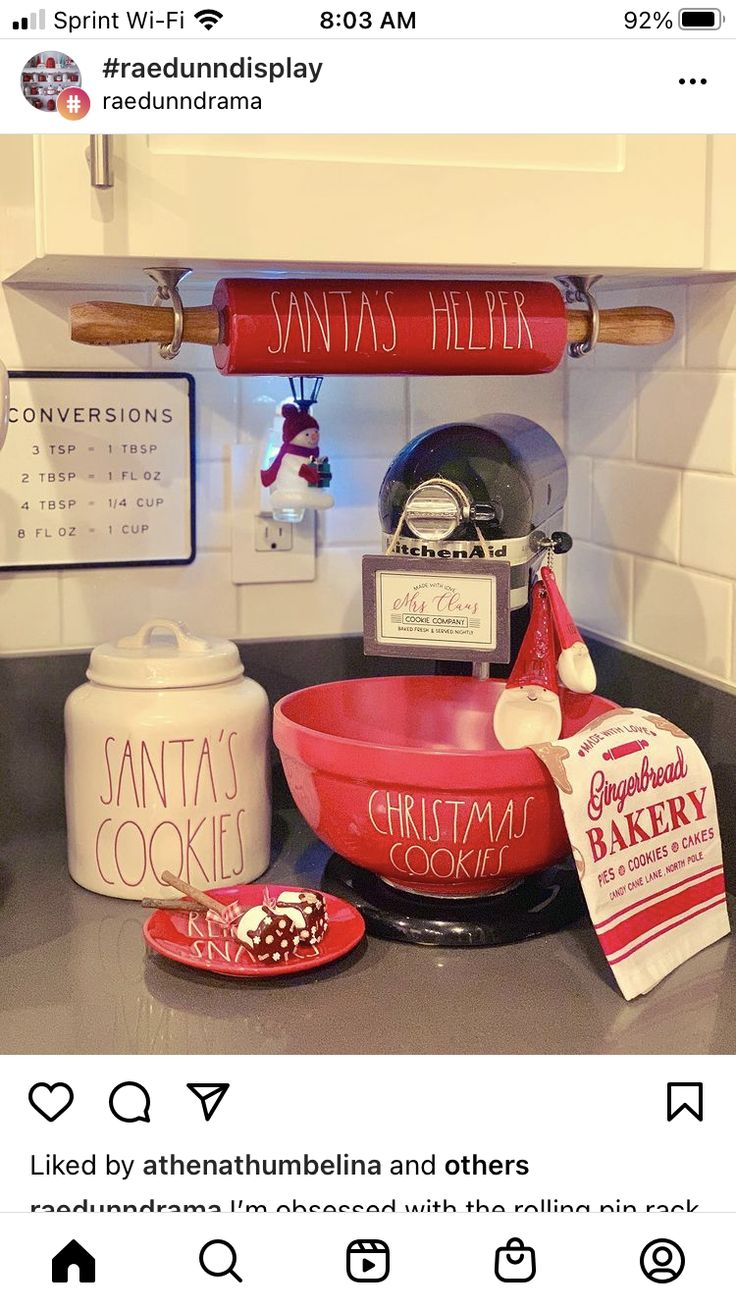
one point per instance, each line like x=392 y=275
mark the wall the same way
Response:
x=653 y=486
x=363 y=420
x=652 y=498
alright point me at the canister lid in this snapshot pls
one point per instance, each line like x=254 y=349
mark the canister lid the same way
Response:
x=163 y=653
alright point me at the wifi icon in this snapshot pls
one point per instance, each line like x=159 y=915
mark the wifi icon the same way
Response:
x=208 y=18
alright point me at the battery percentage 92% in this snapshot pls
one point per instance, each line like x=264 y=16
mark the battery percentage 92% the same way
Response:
x=646 y=21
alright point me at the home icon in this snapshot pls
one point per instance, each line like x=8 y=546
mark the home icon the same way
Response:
x=73 y=1255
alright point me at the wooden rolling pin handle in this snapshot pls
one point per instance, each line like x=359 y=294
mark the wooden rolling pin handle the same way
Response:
x=106 y=322
x=638 y=325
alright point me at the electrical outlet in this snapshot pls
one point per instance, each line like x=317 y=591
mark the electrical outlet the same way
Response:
x=264 y=551
x=270 y=535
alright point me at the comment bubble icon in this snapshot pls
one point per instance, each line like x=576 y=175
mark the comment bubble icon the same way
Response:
x=130 y=1103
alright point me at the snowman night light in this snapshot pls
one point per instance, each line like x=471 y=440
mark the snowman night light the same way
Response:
x=297 y=478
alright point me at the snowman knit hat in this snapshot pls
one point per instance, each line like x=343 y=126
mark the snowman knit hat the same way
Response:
x=297 y=421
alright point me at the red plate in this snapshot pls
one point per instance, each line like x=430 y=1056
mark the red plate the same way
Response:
x=168 y=932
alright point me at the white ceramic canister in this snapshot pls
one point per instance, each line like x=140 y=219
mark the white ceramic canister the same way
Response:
x=167 y=766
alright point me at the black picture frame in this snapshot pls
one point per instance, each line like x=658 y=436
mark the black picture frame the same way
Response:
x=122 y=563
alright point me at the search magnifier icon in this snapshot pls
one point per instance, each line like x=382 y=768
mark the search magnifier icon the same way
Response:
x=218 y=1259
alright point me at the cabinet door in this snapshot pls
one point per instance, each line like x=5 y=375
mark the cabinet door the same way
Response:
x=563 y=202
x=721 y=247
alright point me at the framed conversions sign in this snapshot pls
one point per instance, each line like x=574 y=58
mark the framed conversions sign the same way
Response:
x=97 y=470
x=438 y=609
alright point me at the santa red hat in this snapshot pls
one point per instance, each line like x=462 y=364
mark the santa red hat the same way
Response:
x=535 y=662
x=574 y=664
x=297 y=421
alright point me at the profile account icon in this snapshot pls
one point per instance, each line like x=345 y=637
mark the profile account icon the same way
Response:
x=662 y=1261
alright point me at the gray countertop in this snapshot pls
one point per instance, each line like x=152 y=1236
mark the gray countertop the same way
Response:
x=77 y=978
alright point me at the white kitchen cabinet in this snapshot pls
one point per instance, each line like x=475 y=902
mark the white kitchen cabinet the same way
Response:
x=721 y=246
x=567 y=203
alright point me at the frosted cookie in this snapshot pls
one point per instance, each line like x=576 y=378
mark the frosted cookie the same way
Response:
x=308 y=912
x=269 y=934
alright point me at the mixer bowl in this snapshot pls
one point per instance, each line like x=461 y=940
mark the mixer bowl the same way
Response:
x=404 y=776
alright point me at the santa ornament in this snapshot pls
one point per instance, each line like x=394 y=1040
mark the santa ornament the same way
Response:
x=574 y=664
x=528 y=710
x=298 y=477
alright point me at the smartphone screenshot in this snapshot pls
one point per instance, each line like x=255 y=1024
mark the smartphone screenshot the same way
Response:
x=367 y=652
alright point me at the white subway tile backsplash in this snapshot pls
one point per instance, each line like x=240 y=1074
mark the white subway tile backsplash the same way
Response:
x=34 y=333
x=363 y=416
x=354 y=518
x=217 y=422
x=435 y=400
x=711 y=333
x=214 y=508
x=709 y=523
x=651 y=443
x=636 y=508
x=104 y=604
x=30 y=605
x=358 y=416
x=601 y=413
x=599 y=589
x=683 y=616
x=580 y=497
x=349 y=526
x=687 y=420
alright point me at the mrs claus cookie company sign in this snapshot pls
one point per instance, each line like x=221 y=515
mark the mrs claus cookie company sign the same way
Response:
x=437 y=610
x=97 y=469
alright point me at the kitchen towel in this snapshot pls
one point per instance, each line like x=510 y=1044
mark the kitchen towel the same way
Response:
x=639 y=805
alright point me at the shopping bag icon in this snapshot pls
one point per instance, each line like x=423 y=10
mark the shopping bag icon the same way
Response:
x=515 y=1262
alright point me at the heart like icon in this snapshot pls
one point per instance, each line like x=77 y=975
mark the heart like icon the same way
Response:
x=51 y=1101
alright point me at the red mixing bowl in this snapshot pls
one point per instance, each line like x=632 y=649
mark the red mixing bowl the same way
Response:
x=404 y=776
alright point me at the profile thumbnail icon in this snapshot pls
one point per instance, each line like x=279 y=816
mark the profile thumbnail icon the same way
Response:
x=46 y=76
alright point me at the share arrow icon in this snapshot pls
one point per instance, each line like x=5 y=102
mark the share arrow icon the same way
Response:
x=210 y=1095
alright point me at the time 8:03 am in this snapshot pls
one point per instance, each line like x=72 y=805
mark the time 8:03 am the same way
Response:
x=353 y=21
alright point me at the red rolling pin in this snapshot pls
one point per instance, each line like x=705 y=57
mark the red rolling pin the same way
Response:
x=405 y=327
x=398 y=326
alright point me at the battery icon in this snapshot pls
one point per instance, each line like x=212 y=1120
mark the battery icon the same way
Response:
x=700 y=20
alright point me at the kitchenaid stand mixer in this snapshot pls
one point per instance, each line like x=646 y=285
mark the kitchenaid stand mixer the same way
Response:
x=434 y=862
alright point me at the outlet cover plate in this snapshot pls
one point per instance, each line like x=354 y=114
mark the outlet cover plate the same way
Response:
x=251 y=565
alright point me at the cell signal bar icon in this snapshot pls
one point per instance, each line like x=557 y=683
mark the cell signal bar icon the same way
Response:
x=32 y=23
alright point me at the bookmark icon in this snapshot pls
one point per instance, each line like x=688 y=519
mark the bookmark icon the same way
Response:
x=684 y=1097
x=210 y=1095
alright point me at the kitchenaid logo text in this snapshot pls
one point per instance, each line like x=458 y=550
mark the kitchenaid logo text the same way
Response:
x=373 y=320
x=447 y=840
x=181 y=775
x=468 y=551
x=513 y=550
